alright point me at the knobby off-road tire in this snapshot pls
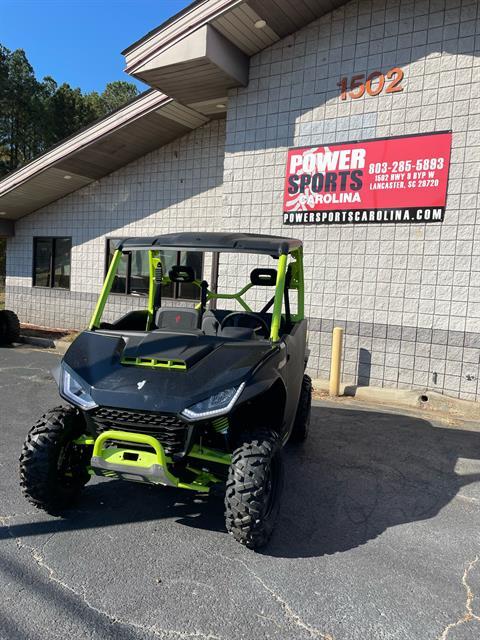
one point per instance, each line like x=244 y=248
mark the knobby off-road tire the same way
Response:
x=53 y=470
x=304 y=409
x=9 y=327
x=254 y=487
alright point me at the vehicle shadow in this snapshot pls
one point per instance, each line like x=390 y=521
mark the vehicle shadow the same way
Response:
x=116 y=502
x=362 y=472
x=358 y=474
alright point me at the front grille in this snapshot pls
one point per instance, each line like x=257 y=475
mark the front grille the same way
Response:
x=168 y=429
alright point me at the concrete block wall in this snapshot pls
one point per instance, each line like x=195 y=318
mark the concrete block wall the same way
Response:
x=175 y=188
x=408 y=296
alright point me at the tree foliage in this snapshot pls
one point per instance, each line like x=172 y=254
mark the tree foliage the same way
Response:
x=34 y=114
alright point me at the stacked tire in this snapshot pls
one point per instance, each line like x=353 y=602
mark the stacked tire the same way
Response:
x=9 y=327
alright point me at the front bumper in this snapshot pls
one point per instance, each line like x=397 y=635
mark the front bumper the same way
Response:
x=150 y=466
x=132 y=464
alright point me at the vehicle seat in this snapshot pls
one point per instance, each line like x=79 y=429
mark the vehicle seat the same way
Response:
x=177 y=318
x=212 y=319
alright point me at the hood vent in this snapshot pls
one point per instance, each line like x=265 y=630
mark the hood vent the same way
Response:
x=162 y=363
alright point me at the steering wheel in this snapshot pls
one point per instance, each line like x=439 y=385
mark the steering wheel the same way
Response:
x=256 y=323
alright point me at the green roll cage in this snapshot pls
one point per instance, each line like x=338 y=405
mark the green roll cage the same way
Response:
x=296 y=283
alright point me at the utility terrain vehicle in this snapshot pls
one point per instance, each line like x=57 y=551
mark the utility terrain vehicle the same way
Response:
x=196 y=398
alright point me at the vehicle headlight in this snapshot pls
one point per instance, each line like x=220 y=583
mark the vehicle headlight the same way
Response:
x=216 y=405
x=74 y=390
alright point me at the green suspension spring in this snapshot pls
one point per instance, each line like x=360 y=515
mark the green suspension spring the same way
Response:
x=220 y=424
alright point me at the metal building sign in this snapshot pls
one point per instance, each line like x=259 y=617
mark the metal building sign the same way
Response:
x=401 y=179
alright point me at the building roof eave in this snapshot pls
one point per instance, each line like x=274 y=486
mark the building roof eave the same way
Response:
x=149 y=121
x=168 y=57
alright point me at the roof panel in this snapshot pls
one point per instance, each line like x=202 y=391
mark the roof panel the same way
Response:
x=236 y=25
x=211 y=241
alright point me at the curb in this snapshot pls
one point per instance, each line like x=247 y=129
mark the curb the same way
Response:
x=60 y=346
x=422 y=398
x=46 y=343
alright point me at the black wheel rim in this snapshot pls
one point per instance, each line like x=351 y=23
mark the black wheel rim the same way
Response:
x=69 y=462
x=271 y=486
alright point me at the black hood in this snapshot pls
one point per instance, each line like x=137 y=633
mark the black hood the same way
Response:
x=211 y=364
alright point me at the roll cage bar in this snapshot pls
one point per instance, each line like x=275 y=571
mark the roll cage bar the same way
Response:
x=294 y=269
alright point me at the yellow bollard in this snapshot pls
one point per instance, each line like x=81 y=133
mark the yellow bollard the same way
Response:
x=337 y=342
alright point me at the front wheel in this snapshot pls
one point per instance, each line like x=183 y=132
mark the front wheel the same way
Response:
x=53 y=469
x=254 y=487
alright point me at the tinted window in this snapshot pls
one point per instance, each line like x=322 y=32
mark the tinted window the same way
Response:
x=133 y=271
x=139 y=272
x=195 y=260
x=52 y=262
x=43 y=260
x=120 y=281
x=61 y=262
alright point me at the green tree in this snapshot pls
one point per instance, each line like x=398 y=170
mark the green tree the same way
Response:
x=35 y=115
x=18 y=112
x=4 y=153
x=68 y=111
x=116 y=94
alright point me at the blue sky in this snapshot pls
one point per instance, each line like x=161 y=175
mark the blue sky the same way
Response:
x=79 y=41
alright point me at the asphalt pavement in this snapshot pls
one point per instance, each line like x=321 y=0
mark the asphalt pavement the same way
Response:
x=378 y=538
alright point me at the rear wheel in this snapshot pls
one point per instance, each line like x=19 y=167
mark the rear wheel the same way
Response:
x=9 y=327
x=53 y=469
x=254 y=487
x=302 y=417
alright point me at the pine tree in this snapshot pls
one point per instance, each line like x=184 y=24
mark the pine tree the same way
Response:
x=116 y=94
x=35 y=115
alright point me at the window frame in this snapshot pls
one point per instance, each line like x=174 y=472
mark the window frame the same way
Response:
x=51 y=272
x=128 y=291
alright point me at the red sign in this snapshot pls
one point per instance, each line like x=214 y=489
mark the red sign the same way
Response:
x=400 y=179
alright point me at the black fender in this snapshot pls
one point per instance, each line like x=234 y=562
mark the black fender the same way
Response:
x=263 y=401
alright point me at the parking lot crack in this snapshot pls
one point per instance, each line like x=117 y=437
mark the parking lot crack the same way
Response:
x=469 y=614
x=4 y=520
x=52 y=576
x=290 y=615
